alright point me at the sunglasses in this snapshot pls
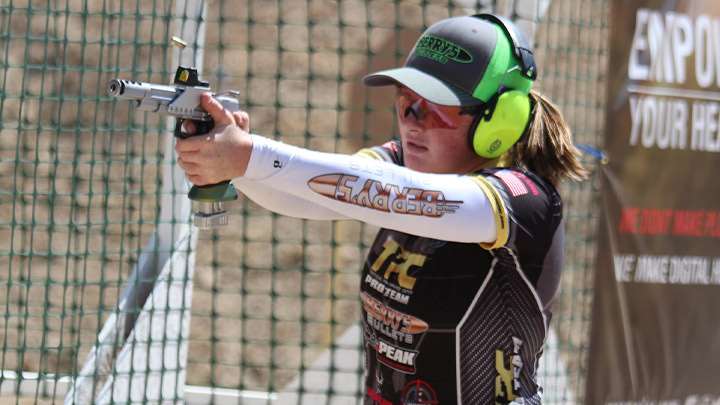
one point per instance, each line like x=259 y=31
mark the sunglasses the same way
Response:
x=411 y=106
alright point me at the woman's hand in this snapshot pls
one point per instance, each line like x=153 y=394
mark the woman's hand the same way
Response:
x=221 y=154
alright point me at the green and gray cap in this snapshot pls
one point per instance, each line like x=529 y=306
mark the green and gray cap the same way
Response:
x=461 y=61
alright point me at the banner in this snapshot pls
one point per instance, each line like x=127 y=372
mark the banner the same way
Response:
x=655 y=335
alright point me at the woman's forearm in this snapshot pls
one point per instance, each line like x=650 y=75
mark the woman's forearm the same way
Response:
x=442 y=206
x=282 y=202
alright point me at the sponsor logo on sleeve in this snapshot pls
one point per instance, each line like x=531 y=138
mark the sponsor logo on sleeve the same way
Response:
x=375 y=195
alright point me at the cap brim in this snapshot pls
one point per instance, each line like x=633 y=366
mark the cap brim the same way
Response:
x=428 y=87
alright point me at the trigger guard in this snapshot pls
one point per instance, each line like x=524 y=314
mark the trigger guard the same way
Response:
x=201 y=128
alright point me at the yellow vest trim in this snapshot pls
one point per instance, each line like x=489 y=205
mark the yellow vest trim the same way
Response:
x=500 y=211
x=369 y=153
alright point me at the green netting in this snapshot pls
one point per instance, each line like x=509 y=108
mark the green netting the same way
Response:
x=80 y=190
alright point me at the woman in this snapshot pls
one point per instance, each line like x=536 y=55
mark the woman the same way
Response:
x=457 y=286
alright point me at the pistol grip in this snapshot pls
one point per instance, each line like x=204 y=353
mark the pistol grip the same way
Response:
x=201 y=127
x=207 y=200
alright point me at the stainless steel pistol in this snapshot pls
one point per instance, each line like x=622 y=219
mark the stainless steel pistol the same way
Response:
x=181 y=99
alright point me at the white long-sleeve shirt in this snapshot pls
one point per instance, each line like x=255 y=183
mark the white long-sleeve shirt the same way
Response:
x=301 y=183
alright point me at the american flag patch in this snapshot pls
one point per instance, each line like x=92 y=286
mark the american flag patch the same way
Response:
x=513 y=182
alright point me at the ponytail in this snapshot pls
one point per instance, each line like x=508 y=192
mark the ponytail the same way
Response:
x=547 y=148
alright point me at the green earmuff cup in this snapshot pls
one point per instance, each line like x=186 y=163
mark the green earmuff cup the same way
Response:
x=494 y=136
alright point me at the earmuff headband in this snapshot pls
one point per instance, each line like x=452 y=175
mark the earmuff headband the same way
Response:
x=520 y=44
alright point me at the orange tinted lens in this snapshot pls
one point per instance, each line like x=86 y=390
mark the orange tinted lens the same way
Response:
x=412 y=106
x=444 y=116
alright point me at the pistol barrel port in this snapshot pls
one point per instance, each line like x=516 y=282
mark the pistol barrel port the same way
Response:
x=116 y=87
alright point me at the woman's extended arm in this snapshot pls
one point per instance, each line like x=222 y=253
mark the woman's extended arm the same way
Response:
x=460 y=208
x=442 y=206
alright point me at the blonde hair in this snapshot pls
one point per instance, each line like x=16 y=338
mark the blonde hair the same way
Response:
x=547 y=148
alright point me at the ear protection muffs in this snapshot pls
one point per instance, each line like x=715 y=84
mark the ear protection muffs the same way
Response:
x=504 y=118
x=501 y=124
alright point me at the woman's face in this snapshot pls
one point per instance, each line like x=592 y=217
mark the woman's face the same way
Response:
x=434 y=137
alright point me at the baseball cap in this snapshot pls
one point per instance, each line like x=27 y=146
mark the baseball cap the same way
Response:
x=459 y=61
